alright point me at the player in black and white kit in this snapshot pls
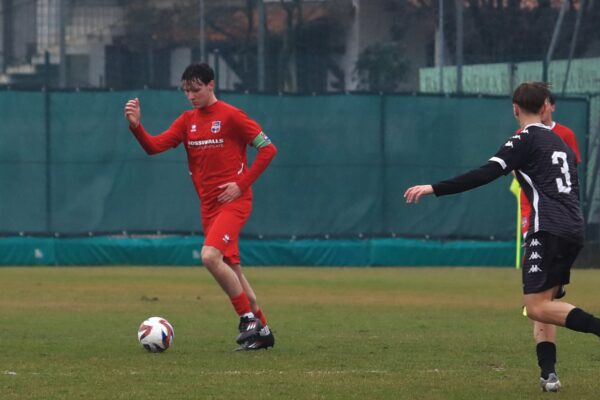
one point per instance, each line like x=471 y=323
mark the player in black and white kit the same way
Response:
x=546 y=169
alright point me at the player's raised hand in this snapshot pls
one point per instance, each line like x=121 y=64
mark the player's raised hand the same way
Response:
x=413 y=194
x=133 y=112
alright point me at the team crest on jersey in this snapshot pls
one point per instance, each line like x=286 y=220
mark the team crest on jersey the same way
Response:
x=193 y=129
x=215 y=127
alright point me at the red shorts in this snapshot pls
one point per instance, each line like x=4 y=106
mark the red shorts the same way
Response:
x=222 y=228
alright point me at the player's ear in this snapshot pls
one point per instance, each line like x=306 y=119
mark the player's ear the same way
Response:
x=516 y=110
x=547 y=103
x=545 y=107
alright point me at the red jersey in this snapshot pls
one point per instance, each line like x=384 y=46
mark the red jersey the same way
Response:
x=568 y=136
x=215 y=139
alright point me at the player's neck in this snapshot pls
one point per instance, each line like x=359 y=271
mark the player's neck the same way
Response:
x=548 y=122
x=528 y=119
x=211 y=101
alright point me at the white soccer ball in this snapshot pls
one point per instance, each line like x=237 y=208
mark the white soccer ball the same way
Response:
x=156 y=334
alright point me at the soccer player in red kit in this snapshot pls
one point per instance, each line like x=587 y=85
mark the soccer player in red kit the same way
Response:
x=215 y=135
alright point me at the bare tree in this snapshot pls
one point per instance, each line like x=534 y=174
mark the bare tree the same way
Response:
x=287 y=57
x=297 y=32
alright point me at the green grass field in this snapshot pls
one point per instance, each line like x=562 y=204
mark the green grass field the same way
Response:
x=385 y=333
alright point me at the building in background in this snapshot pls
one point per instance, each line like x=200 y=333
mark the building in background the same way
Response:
x=292 y=46
x=32 y=29
x=311 y=45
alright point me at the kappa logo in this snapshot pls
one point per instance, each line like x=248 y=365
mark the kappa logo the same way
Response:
x=508 y=144
x=534 y=243
x=533 y=269
x=535 y=256
x=215 y=127
x=193 y=129
x=226 y=238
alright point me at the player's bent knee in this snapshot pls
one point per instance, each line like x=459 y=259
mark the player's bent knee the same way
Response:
x=536 y=312
x=211 y=257
x=532 y=309
x=533 y=314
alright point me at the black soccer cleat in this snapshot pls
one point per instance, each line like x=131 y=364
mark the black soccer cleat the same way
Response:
x=258 y=342
x=249 y=328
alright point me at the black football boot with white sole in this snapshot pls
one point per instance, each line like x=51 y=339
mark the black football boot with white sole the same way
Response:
x=263 y=340
x=249 y=327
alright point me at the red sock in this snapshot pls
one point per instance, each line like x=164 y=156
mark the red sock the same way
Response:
x=259 y=314
x=241 y=304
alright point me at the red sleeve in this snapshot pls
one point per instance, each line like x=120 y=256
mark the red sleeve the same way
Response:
x=261 y=162
x=568 y=136
x=166 y=140
x=249 y=129
x=571 y=141
x=246 y=127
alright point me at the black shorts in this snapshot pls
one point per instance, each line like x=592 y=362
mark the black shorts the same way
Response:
x=547 y=261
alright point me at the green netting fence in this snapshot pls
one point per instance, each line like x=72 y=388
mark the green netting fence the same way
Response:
x=69 y=166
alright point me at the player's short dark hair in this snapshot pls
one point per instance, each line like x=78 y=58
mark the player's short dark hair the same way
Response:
x=531 y=96
x=198 y=72
x=552 y=98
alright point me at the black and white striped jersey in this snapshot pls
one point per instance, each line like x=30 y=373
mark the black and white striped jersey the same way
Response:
x=546 y=168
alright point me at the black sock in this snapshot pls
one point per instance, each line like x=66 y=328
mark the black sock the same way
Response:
x=546 y=354
x=580 y=321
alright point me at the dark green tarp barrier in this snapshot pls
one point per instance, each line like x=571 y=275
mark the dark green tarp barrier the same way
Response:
x=185 y=250
x=68 y=165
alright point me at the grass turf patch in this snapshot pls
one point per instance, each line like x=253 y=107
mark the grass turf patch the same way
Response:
x=376 y=333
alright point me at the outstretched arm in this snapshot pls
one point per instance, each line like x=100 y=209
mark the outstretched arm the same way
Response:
x=461 y=183
x=470 y=180
x=510 y=157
